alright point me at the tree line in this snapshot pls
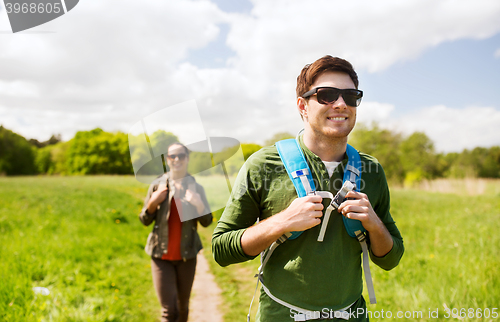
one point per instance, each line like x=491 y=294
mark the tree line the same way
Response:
x=406 y=159
x=413 y=158
x=100 y=152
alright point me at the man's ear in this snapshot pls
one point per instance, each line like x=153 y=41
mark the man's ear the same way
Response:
x=302 y=107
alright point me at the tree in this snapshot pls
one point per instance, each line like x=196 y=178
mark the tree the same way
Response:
x=143 y=149
x=161 y=140
x=383 y=145
x=54 y=139
x=487 y=162
x=200 y=162
x=99 y=152
x=461 y=165
x=480 y=162
x=418 y=158
x=17 y=155
x=278 y=137
x=43 y=160
x=229 y=158
x=442 y=165
x=51 y=159
x=249 y=149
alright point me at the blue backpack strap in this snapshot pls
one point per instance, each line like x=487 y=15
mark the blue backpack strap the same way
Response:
x=296 y=166
x=354 y=227
x=352 y=172
x=300 y=174
x=298 y=170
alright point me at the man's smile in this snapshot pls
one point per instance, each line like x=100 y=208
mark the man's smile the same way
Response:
x=337 y=118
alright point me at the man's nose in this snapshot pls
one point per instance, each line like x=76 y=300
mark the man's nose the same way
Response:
x=339 y=103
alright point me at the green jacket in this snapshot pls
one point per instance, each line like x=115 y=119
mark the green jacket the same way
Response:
x=304 y=272
x=157 y=243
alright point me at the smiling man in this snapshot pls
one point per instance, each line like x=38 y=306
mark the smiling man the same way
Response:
x=304 y=275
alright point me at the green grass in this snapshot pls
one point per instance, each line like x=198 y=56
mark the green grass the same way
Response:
x=80 y=238
x=452 y=257
x=237 y=282
x=452 y=254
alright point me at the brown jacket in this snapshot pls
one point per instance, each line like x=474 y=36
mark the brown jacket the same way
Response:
x=157 y=243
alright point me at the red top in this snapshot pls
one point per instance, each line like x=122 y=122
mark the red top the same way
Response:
x=174 y=234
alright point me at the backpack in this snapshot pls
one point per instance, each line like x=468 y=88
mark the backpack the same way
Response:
x=299 y=172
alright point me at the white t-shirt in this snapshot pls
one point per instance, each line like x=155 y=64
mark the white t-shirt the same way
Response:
x=330 y=166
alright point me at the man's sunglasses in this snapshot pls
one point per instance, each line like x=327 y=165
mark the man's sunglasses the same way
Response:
x=180 y=156
x=328 y=95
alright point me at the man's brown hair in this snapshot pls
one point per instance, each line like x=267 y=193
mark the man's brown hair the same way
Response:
x=311 y=72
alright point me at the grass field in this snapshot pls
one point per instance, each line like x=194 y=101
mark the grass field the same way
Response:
x=80 y=238
x=452 y=258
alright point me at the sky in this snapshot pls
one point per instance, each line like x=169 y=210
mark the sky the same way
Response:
x=426 y=65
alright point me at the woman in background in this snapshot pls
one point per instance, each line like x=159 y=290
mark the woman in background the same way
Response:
x=175 y=203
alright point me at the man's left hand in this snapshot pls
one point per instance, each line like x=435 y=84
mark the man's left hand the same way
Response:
x=359 y=207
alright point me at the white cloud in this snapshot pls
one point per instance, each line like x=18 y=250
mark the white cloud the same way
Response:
x=104 y=47
x=371 y=34
x=497 y=53
x=100 y=56
x=40 y=124
x=449 y=128
x=369 y=112
x=110 y=65
x=280 y=37
x=19 y=89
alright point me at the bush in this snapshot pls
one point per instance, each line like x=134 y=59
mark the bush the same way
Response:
x=98 y=152
x=17 y=155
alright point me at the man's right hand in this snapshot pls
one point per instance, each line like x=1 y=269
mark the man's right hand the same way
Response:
x=157 y=198
x=302 y=214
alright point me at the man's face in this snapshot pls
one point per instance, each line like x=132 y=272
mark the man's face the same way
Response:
x=334 y=120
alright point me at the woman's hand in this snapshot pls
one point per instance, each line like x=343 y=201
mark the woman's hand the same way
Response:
x=157 y=198
x=194 y=198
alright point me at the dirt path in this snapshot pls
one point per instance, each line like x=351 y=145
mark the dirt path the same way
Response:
x=206 y=295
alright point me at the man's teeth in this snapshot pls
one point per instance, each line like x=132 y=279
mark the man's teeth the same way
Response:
x=337 y=118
